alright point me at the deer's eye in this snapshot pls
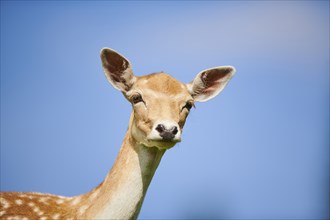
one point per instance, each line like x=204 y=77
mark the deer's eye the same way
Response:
x=189 y=105
x=137 y=98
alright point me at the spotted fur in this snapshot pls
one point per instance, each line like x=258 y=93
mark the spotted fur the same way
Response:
x=162 y=100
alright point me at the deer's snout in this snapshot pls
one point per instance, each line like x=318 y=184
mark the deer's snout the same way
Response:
x=167 y=133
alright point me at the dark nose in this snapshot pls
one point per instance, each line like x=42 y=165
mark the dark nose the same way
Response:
x=167 y=134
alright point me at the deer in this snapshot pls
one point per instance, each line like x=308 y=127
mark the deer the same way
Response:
x=160 y=106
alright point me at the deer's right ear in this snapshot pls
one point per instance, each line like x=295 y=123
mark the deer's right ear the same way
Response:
x=117 y=69
x=210 y=82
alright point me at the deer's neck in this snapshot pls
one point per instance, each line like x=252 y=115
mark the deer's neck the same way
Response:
x=121 y=194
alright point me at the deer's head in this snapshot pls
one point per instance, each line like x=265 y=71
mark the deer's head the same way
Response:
x=161 y=103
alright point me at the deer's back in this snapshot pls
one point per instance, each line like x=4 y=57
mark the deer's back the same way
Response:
x=25 y=206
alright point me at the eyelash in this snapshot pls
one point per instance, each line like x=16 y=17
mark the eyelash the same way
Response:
x=137 y=98
x=188 y=105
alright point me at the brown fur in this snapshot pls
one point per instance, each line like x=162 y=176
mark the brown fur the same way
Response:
x=46 y=206
x=122 y=192
x=162 y=82
x=34 y=206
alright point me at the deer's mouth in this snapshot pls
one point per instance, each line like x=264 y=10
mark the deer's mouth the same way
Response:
x=163 y=143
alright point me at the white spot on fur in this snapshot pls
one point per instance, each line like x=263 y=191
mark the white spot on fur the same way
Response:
x=22 y=196
x=94 y=195
x=56 y=216
x=63 y=197
x=19 y=202
x=25 y=218
x=44 y=200
x=76 y=201
x=31 y=204
x=43 y=218
x=69 y=219
x=60 y=201
x=82 y=209
x=2 y=213
x=5 y=203
x=14 y=218
x=38 y=211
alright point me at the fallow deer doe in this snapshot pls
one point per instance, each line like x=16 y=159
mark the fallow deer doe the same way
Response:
x=160 y=105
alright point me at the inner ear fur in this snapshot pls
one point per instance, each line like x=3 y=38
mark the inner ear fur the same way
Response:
x=117 y=69
x=210 y=82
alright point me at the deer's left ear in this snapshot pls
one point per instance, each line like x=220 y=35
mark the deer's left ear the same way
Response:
x=209 y=83
x=117 y=69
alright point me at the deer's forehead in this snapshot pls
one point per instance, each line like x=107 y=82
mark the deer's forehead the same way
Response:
x=161 y=83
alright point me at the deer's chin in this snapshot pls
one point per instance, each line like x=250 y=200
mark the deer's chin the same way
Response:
x=162 y=144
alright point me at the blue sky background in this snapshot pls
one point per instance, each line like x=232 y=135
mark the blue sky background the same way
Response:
x=259 y=150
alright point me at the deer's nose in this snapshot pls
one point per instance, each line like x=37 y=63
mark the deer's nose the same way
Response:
x=167 y=133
